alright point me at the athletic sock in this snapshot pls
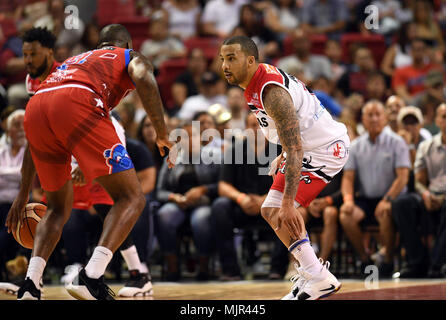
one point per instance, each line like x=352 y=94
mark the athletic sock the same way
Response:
x=99 y=260
x=144 y=268
x=304 y=253
x=131 y=258
x=35 y=270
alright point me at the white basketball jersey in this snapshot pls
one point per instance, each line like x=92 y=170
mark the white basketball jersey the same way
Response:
x=317 y=127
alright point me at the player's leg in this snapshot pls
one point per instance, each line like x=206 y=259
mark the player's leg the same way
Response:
x=48 y=233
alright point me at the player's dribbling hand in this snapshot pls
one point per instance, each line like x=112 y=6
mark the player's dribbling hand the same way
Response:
x=78 y=177
x=288 y=217
x=16 y=212
x=161 y=144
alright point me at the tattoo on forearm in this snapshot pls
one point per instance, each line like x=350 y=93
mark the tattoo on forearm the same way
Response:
x=279 y=106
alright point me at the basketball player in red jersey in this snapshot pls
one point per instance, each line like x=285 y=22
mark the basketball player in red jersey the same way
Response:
x=69 y=116
x=38 y=54
x=315 y=148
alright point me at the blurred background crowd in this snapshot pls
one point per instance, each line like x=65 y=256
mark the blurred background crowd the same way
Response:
x=380 y=70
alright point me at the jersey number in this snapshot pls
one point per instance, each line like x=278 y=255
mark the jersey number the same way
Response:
x=262 y=122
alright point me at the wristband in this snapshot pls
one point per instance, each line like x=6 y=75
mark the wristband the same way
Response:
x=329 y=200
x=240 y=198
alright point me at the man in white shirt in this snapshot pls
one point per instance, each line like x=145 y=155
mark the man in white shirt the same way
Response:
x=220 y=17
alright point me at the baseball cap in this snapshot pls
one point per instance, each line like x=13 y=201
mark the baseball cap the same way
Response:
x=209 y=77
x=410 y=111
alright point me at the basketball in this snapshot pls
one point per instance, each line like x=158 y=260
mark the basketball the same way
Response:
x=26 y=228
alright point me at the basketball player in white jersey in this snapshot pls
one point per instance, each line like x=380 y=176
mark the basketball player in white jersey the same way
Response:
x=315 y=148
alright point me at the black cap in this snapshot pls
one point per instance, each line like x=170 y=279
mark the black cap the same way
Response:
x=209 y=77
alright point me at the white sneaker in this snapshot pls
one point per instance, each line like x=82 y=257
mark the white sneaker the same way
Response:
x=71 y=272
x=298 y=281
x=318 y=286
x=139 y=284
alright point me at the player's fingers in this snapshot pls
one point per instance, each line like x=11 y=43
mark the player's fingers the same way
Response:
x=293 y=229
x=279 y=224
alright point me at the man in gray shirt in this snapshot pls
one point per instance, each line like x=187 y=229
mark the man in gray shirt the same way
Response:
x=379 y=160
x=424 y=212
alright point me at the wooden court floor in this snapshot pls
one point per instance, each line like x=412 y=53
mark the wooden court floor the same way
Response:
x=274 y=290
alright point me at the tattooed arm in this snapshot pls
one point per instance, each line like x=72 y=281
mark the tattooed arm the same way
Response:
x=141 y=72
x=279 y=106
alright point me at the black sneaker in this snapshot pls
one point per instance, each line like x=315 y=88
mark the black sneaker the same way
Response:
x=28 y=291
x=139 y=284
x=386 y=270
x=85 y=288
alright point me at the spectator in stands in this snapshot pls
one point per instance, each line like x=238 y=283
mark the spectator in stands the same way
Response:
x=355 y=79
x=237 y=107
x=252 y=26
x=379 y=160
x=389 y=16
x=426 y=207
x=147 y=135
x=427 y=28
x=11 y=157
x=183 y=18
x=209 y=95
x=314 y=65
x=68 y=32
x=333 y=52
x=325 y=17
x=89 y=40
x=281 y=16
x=161 y=46
x=187 y=84
x=241 y=193
x=398 y=54
x=409 y=80
x=431 y=98
x=410 y=122
x=12 y=69
x=186 y=192
x=377 y=87
x=3 y=122
x=322 y=88
x=220 y=17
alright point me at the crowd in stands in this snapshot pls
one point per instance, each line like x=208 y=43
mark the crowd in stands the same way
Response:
x=384 y=79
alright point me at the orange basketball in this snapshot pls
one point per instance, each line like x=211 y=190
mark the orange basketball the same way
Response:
x=26 y=228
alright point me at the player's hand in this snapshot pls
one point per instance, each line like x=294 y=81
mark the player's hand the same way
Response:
x=275 y=165
x=348 y=207
x=161 y=144
x=78 y=177
x=288 y=217
x=16 y=212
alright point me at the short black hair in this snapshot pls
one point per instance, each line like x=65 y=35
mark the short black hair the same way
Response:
x=247 y=44
x=42 y=35
x=115 y=35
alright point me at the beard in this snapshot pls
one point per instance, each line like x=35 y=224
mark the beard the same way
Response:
x=40 y=70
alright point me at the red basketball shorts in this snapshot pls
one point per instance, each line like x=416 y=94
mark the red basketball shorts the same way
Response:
x=72 y=120
x=319 y=166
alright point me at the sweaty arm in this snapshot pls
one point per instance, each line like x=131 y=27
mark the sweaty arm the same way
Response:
x=141 y=72
x=279 y=106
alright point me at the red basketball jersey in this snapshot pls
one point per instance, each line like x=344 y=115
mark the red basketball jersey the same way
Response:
x=102 y=70
x=33 y=84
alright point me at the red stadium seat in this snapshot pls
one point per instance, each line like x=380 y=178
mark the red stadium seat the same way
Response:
x=209 y=45
x=109 y=10
x=375 y=42
x=8 y=28
x=317 y=44
x=168 y=72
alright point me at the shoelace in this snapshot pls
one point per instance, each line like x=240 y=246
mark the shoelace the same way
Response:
x=299 y=279
x=104 y=288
